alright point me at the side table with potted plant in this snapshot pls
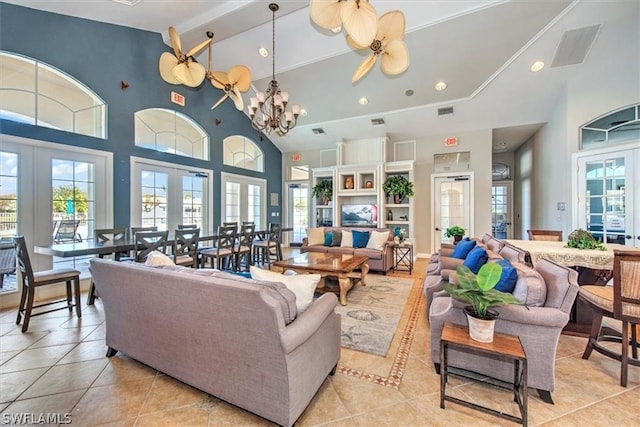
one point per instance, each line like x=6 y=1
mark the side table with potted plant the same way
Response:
x=456 y=232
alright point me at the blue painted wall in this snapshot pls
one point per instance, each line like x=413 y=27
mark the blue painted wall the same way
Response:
x=101 y=56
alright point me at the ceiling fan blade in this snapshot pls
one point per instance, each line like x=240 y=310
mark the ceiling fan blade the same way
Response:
x=175 y=41
x=326 y=13
x=364 y=68
x=166 y=65
x=219 y=79
x=353 y=45
x=395 y=58
x=391 y=26
x=237 y=98
x=225 y=96
x=360 y=21
x=190 y=74
x=240 y=77
x=198 y=48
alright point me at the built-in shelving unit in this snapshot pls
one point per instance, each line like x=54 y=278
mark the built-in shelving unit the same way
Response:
x=398 y=214
x=324 y=213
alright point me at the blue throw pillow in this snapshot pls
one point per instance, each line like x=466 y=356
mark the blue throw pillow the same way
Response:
x=360 y=239
x=328 y=238
x=463 y=248
x=508 y=278
x=245 y=274
x=477 y=258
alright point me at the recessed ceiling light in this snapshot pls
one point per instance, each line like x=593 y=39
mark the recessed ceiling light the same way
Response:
x=537 y=66
x=440 y=86
x=408 y=92
x=303 y=112
x=263 y=52
x=363 y=101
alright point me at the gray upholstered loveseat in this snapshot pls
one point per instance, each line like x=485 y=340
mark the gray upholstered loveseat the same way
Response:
x=225 y=336
x=549 y=290
x=379 y=260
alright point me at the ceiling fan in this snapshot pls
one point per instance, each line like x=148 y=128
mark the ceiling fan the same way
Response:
x=387 y=43
x=179 y=67
x=358 y=17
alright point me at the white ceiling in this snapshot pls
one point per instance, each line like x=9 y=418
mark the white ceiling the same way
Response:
x=482 y=49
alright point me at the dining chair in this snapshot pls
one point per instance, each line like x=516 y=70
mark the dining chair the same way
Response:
x=243 y=248
x=149 y=241
x=32 y=280
x=269 y=249
x=105 y=235
x=7 y=259
x=183 y=226
x=222 y=254
x=185 y=247
x=135 y=230
x=620 y=302
x=549 y=235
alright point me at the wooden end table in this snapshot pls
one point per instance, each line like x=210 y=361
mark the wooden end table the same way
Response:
x=503 y=345
x=402 y=257
x=348 y=269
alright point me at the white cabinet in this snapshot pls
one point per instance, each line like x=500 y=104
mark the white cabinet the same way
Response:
x=398 y=214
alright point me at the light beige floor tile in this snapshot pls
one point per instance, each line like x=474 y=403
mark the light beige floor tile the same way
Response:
x=63 y=336
x=360 y=396
x=184 y=416
x=13 y=384
x=98 y=333
x=6 y=355
x=36 y=358
x=62 y=378
x=224 y=414
x=122 y=368
x=60 y=406
x=400 y=413
x=20 y=341
x=111 y=403
x=324 y=407
x=86 y=350
x=167 y=393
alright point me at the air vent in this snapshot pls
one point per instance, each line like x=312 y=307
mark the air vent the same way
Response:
x=574 y=46
x=378 y=122
x=445 y=111
x=318 y=131
x=128 y=2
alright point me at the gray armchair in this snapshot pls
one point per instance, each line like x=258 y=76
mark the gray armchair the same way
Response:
x=538 y=327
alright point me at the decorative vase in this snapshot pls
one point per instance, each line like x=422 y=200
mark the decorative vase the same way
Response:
x=326 y=200
x=397 y=199
x=481 y=329
x=457 y=238
x=389 y=215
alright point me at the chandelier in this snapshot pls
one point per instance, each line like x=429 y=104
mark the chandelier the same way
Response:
x=268 y=111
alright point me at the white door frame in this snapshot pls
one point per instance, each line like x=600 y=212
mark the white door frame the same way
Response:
x=509 y=185
x=435 y=238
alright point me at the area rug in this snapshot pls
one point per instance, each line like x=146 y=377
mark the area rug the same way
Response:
x=372 y=313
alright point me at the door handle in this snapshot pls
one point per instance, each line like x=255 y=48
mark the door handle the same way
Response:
x=628 y=237
x=437 y=229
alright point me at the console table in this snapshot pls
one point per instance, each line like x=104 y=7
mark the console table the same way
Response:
x=503 y=345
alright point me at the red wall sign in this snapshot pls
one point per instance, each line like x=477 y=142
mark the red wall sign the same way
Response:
x=176 y=98
x=450 y=142
x=296 y=157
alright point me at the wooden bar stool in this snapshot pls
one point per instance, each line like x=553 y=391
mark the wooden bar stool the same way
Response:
x=31 y=280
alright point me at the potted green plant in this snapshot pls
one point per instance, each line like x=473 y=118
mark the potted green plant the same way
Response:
x=582 y=239
x=456 y=232
x=399 y=187
x=323 y=190
x=480 y=293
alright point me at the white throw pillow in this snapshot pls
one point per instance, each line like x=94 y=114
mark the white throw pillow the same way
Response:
x=158 y=258
x=347 y=239
x=315 y=236
x=303 y=285
x=377 y=239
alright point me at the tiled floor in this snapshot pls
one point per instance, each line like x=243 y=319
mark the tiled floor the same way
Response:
x=59 y=367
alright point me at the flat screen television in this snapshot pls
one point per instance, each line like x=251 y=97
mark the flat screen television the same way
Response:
x=360 y=215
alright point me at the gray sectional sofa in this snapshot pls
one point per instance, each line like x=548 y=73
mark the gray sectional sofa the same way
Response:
x=379 y=260
x=548 y=290
x=235 y=338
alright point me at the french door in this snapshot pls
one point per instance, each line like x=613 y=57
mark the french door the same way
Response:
x=501 y=210
x=452 y=204
x=608 y=195
x=297 y=211
x=245 y=199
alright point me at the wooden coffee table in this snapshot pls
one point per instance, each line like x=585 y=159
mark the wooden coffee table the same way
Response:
x=341 y=266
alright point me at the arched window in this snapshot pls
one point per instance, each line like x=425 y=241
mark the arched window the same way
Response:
x=35 y=93
x=171 y=132
x=616 y=127
x=241 y=152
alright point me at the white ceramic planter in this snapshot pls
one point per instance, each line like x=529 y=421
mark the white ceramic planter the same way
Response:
x=480 y=329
